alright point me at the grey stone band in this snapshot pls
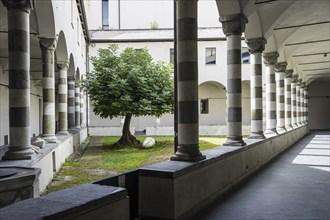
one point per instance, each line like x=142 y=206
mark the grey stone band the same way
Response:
x=71 y=102
x=287 y=98
x=280 y=69
x=63 y=97
x=48 y=73
x=188 y=131
x=77 y=104
x=19 y=80
x=270 y=59
x=255 y=47
x=234 y=90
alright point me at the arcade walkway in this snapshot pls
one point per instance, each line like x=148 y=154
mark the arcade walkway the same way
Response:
x=296 y=185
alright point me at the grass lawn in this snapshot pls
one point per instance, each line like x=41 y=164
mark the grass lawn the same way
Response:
x=102 y=160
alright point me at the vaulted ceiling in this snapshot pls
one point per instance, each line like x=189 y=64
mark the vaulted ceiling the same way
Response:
x=298 y=30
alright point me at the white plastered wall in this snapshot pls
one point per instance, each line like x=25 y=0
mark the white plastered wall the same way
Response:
x=140 y=14
x=207 y=72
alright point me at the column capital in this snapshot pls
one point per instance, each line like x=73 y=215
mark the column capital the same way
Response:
x=233 y=24
x=288 y=73
x=71 y=78
x=63 y=65
x=26 y=5
x=280 y=67
x=299 y=81
x=256 y=45
x=302 y=84
x=294 y=78
x=47 y=43
x=270 y=58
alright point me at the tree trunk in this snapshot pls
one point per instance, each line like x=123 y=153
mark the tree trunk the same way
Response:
x=127 y=139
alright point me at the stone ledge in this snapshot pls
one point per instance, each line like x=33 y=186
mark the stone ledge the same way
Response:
x=172 y=189
x=73 y=203
x=49 y=147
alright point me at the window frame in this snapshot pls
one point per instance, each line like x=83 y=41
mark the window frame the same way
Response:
x=213 y=54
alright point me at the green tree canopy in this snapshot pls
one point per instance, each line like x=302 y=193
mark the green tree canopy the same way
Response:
x=129 y=84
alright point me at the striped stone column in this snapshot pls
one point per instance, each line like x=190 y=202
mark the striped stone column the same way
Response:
x=77 y=103
x=71 y=102
x=233 y=26
x=63 y=97
x=294 y=101
x=287 y=99
x=187 y=58
x=48 y=78
x=19 y=78
x=82 y=96
x=255 y=47
x=302 y=103
x=306 y=104
x=298 y=102
x=270 y=59
x=280 y=111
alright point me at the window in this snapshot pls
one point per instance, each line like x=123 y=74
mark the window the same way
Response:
x=105 y=14
x=210 y=55
x=245 y=56
x=172 y=55
x=204 y=106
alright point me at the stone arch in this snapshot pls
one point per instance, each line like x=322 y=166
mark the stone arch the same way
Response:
x=61 y=48
x=78 y=75
x=215 y=93
x=71 y=70
x=45 y=16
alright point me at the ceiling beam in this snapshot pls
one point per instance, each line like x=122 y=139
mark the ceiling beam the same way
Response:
x=311 y=54
x=300 y=64
x=316 y=69
x=301 y=25
x=307 y=42
x=265 y=2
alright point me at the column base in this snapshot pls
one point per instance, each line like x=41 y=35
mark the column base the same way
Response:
x=271 y=133
x=281 y=130
x=234 y=141
x=25 y=154
x=77 y=127
x=294 y=126
x=50 y=138
x=288 y=127
x=180 y=156
x=62 y=133
x=257 y=136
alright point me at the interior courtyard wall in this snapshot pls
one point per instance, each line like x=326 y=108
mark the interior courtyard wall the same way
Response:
x=145 y=13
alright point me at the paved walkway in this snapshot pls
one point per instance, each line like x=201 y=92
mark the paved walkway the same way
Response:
x=294 y=186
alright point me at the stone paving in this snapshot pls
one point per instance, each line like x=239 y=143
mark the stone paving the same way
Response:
x=296 y=185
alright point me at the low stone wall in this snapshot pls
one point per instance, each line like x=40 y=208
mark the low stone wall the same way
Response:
x=50 y=158
x=83 y=202
x=172 y=189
